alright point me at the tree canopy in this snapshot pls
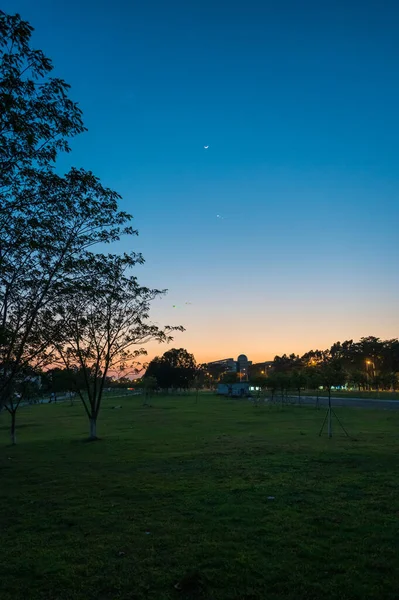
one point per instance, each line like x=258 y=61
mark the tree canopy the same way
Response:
x=102 y=324
x=177 y=368
x=61 y=301
x=368 y=363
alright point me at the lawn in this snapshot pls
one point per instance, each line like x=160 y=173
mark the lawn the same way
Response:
x=373 y=395
x=181 y=492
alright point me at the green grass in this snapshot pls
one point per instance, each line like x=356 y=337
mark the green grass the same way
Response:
x=372 y=395
x=197 y=477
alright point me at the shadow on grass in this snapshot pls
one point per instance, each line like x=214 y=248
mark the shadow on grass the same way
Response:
x=18 y=427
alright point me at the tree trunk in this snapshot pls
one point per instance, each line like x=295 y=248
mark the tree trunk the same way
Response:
x=93 y=428
x=13 y=434
x=329 y=415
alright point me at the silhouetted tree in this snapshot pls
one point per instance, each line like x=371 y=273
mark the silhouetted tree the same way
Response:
x=48 y=222
x=148 y=385
x=313 y=379
x=286 y=364
x=213 y=372
x=229 y=378
x=298 y=382
x=101 y=321
x=24 y=389
x=175 y=369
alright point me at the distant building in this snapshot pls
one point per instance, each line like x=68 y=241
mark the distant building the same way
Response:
x=261 y=368
x=228 y=363
x=240 y=366
x=243 y=365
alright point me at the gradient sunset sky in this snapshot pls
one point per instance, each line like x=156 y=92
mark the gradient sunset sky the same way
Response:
x=298 y=101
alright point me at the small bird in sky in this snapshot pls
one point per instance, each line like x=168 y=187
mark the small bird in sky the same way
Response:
x=219 y=217
x=206 y=147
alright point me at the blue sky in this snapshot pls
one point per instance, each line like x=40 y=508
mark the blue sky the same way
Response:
x=298 y=102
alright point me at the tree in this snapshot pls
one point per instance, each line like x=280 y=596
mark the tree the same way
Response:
x=390 y=357
x=23 y=390
x=175 y=369
x=298 y=382
x=101 y=325
x=57 y=381
x=272 y=383
x=282 y=382
x=214 y=372
x=229 y=378
x=313 y=380
x=259 y=381
x=285 y=364
x=148 y=384
x=54 y=250
x=199 y=380
x=332 y=375
x=36 y=116
x=48 y=222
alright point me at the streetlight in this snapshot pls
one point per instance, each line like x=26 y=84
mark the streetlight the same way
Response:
x=369 y=371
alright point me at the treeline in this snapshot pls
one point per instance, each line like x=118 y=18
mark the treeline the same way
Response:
x=63 y=302
x=369 y=364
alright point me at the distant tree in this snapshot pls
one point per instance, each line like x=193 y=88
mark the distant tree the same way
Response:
x=313 y=358
x=229 y=378
x=199 y=381
x=282 y=381
x=272 y=384
x=286 y=364
x=24 y=389
x=259 y=381
x=57 y=381
x=393 y=381
x=159 y=370
x=122 y=382
x=370 y=362
x=101 y=321
x=390 y=357
x=384 y=381
x=148 y=385
x=213 y=373
x=175 y=369
x=298 y=382
x=332 y=375
x=313 y=380
x=358 y=378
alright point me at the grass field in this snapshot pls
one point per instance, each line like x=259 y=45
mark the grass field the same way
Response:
x=181 y=489
x=356 y=394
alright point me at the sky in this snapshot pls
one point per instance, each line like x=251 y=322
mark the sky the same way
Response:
x=298 y=102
